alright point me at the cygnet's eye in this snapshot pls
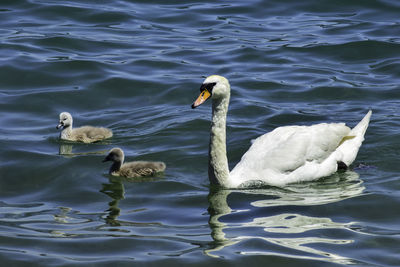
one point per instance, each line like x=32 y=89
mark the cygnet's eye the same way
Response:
x=64 y=119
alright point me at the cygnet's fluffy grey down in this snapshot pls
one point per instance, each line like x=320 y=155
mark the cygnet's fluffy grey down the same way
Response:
x=132 y=169
x=85 y=134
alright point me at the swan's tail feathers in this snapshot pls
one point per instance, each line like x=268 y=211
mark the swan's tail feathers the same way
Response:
x=361 y=127
x=351 y=143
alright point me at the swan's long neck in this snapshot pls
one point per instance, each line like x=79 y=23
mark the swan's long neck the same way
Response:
x=218 y=170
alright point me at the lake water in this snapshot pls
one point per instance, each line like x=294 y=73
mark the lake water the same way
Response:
x=136 y=67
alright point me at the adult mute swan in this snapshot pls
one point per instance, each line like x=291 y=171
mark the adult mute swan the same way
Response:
x=132 y=169
x=286 y=155
x=85 y=134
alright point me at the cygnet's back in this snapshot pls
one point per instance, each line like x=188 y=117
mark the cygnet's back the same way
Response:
x=141 y=168
x=132 y=169
x=85 y=134
x=90 y=134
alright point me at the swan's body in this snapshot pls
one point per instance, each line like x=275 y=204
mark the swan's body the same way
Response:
x=133 y=169
x=286 y=155
x=85 y=134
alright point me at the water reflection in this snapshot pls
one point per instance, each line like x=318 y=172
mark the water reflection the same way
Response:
x=66 y=149
x=116 y=190
x=335 y=188
x=286 y=230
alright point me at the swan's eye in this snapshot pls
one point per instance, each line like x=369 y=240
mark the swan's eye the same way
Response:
x=207 y=86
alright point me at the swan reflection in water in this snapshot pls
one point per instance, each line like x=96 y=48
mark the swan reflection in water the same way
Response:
x=288 y=225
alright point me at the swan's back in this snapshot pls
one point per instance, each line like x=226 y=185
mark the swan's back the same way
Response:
x=299 y=153
x=287 y=148
x=141 y=168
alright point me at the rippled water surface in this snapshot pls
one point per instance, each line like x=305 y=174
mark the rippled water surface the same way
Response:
x=135 y=67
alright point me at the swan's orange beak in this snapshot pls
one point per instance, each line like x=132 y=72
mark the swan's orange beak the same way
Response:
x=204 y=95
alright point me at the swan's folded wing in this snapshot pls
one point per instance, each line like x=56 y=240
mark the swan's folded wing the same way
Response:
x=288 y=148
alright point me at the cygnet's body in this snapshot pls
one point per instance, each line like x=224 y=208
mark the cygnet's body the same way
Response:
x=132 y=169
x=85 y=134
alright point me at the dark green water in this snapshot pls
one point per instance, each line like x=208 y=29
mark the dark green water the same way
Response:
x=136 y=67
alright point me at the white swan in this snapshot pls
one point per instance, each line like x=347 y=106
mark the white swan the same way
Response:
x=85 y=134
x=286 y=155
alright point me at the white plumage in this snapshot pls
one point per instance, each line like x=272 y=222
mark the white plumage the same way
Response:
x=287 y=154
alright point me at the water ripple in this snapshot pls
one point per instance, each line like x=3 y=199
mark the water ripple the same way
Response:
x=136 y=67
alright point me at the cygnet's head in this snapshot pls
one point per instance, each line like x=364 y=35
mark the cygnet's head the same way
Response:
x=116 y=155
x=214 y=86
x=65 y=120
